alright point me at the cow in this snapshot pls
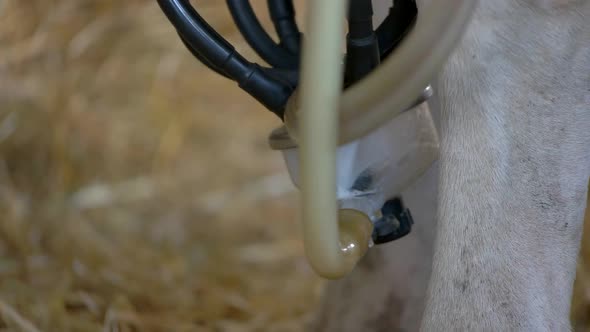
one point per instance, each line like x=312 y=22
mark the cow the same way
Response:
x=499 y=216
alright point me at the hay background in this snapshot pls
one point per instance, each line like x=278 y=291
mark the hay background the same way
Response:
x=137 y=191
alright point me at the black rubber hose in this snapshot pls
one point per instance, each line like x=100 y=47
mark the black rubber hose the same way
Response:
x=271 y=52
x=200 y=36
x=282 y=14
x=396 y=25
x=201 y=58
x=362 y=50
x=270 y=90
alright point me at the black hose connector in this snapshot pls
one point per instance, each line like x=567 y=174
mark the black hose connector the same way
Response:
x=282 y=14
x=395 y=223
x=271 y=52
x=270 y=90
x=362 y=49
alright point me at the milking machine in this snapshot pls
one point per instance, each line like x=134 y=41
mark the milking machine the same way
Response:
x=356 y=130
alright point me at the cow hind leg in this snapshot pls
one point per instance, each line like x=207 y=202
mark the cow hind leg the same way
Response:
x=515 y=163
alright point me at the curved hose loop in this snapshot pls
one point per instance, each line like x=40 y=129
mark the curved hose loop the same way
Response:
x=258 y=38
x=393 y=87
x=382 y=95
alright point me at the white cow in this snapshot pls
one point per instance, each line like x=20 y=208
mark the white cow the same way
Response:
x=513 y=103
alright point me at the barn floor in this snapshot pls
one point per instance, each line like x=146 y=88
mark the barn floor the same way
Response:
x=137 y=191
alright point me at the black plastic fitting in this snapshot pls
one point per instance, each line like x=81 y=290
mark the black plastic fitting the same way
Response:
x=395 y=223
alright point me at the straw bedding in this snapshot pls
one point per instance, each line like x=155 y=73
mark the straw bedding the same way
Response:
x=137 y=191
